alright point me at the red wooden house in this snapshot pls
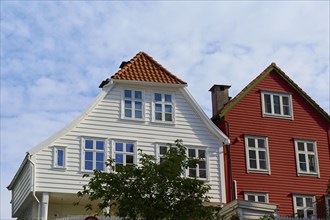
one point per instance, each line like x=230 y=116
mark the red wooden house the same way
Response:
x=279 y=151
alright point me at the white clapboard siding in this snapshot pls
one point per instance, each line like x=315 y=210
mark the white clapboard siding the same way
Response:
x=22 y=188
x=104 y=121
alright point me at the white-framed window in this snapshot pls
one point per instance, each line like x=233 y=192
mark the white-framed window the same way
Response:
x=327 y=205
x=163 y=107
x=306 y=157
x=257 y=155
x=133 y=104
x=200 y=171
x=276 y=104
x=304 y=206
x=93 y=154
x=124 y=152
x=256 y=197
x=59 y=157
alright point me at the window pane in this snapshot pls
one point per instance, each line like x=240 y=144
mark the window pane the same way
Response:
x=88 y=165
x=262 y=164
x=253 y=164
x=310 y=147
x=299 y=201
x=302 y=158
x=138 y=114
x=119 y=147
x=277 y=108
x=60 y=156
x=202 y=164
x=251 y=142
x=301 y=146
x=309 y=202
x=128 y=113
x=158 y=116
x=310 y=213
x=99 y=145
x=128 y=104
x=162 y=150
x=89 y=156
x=158 y=107
x=262 y=155
x=251 y=198
x=138 y=105
x=129 y=148
x=201 y=153
x=261 y=143
x=192 y=172
x=99 y=157
x=100 y=165
x=202 y=173
x=168 y=117
x=286 y=107
x=168 y=98
x=300 y=213
x=168 y=108
x=311 y=163
x=138 y=94
x=128 y=93
x=252 y=154
x=88 y=144
x=286 y=110
x=268 y=106
x=129 y=159
x=119 y=158
x=261 y=198
x=192 y=153
x=158 y=97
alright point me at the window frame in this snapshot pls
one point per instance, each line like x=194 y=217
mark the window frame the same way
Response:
x=281 y=105
x=163 y=103
x=206 y=159
x=133 y=103
x=55 y=157
x=306 y=153
x=257 y=150
x=256 y=195
x=304 y=208
x=113 y=150
x=94 y=151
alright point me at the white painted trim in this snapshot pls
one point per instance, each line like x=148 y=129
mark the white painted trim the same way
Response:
x=66 y=129
x=256 y=194
x=142 y=83
x=222 y=175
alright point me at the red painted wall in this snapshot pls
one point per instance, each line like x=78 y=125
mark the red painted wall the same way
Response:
x=246 y=118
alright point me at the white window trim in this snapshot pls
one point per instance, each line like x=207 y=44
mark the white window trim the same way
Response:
x=55 y=157
x=265 y=114
x=163 y=106
x=82 y=152
x=307 y=173
x=295 y=208
x=256 y=194
x=133 y=104
x=113 y=148
x=247 y=158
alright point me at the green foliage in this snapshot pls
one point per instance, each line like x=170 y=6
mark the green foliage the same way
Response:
x=151 y=190
x=267 y=217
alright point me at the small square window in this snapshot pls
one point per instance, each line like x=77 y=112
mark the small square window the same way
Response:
x=59 y=157
x=124 y=153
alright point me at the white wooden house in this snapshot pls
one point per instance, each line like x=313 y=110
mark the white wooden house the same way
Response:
x=142 y=106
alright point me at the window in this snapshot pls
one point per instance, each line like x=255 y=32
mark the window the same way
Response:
x=276 y=104
x=163 y=107
x=306 y=157
x=59 y=157
x=304 y=206
x=93 y=154
x=124 y=153
x=327 y=205
x=200 y=170
x=133 y=104
x=256 y=197
x=257 y=156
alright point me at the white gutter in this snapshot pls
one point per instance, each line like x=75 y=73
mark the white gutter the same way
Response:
x=33 y=183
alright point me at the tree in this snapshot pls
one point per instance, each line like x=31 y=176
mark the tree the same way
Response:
x=150 y=190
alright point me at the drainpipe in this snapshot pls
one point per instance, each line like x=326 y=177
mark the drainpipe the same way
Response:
x=230 y=163
x=34 y=181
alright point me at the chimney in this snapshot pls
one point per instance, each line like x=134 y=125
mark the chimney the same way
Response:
x=220 y=97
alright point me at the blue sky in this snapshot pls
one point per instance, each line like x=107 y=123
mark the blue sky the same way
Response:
x=54 y=54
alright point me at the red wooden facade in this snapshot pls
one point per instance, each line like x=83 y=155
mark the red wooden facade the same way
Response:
x=243 y=116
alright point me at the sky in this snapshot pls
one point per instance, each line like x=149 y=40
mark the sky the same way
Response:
x=54 y=55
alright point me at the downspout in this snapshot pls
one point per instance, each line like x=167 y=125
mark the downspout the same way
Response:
x=34 y=181
x=230 y=163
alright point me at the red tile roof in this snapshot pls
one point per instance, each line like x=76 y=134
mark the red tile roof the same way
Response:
x=142 y=67
x=271 y=67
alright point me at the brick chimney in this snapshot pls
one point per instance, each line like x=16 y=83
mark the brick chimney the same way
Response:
x=220 y=97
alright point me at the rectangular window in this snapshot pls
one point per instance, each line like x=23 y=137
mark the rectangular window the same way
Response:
x=59 y=156
x=94 y=154
x=256 y=197
x=133 y=104
x=306 y=157
x=200 y=171
x=304 y=206
x=327 y=205
x=276 y=104
x=163 y=107
x=124 y=153
x=257 y=156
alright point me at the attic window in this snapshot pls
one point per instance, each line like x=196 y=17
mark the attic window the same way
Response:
x=276 y=104
x=59 y=157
